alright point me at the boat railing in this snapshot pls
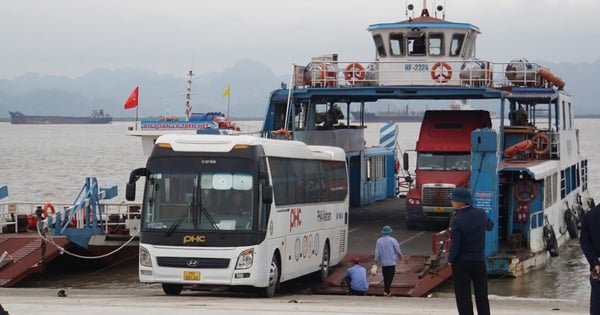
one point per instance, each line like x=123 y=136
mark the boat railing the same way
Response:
x=428 y=72
x=114 y=218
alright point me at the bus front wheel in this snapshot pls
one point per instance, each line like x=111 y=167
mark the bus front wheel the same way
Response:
x=172 y=289
x=269 y=291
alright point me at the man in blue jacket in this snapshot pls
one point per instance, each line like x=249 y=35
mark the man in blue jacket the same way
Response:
x=356 y=278
x=590 y=244
x=467 y=253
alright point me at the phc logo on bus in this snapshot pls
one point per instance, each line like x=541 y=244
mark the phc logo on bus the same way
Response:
x=194 y=239
x=295 y=220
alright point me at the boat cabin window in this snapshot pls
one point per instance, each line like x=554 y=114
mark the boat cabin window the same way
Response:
x=416 y=44
x=397 y=44
x=436 y=44
x=379 y=45
x=456 y=44
x=469 y=47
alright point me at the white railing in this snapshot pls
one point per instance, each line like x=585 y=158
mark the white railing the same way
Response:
x=442 y=72
x=111 y=216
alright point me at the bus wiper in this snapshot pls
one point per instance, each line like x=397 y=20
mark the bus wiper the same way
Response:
x=178 y=222
x=209 y=217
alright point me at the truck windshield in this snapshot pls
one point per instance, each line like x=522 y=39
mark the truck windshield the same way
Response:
x=205 y=198
x=443 y=162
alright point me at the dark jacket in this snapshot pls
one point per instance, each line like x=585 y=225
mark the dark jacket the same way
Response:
x=467 y=234
x=590 y=236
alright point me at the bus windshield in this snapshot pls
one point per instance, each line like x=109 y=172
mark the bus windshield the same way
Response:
x=213 y=195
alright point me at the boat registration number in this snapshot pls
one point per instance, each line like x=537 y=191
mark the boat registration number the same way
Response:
x=191 y=275
x=438 y=209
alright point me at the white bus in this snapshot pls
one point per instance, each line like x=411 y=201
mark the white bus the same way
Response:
x=240 y=211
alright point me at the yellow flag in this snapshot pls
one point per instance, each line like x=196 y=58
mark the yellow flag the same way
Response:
x=226 y=92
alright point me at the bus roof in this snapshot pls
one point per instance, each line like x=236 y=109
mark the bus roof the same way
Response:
x=271 y=147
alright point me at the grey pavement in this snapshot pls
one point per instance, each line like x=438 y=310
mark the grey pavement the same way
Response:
x=152 y=301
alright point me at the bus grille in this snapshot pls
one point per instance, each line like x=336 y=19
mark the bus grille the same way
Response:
x=193 y=262
x=437 y=196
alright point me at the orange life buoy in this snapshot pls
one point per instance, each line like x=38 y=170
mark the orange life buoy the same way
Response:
x=284 y=133
x=47 y=206
x=354 y=72
x=541 y=143
x=518 y=148
x=550 y=77
x=397 y=167
x=525 y=191
x=441 y=72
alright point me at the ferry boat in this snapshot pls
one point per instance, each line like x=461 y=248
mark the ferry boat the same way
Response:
x=527 y=172
x=33 y=234
x=98 y=116
x=389 y=115
x=207 y=123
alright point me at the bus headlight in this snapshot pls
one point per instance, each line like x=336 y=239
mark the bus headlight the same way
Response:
x=145 y=259
x=245 y=259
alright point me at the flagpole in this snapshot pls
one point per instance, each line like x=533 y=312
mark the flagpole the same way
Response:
x=228 y=93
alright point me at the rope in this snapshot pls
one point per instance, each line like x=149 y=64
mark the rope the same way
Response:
x=63 y=250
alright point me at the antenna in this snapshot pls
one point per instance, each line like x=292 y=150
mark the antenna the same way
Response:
x=188 y=95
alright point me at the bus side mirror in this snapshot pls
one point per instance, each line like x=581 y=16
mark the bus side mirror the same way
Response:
x=267 y=194
x=405 y=161
x=133 y=177
x=130 y=191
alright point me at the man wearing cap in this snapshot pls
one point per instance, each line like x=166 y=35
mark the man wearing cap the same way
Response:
x=467 y=253
x=387 y=251
x=356 y=278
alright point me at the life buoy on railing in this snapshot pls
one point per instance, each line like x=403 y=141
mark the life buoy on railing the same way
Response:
x=397 y=167
x=283 y=133
x=48 y=206
x=441 y=72
x=525 y=191
x=518 y=148
x=541 y=143
x=355 y=72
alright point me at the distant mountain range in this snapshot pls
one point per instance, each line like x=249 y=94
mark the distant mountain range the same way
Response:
x=251 y=83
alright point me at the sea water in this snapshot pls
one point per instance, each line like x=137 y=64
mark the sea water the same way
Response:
x=49 y=163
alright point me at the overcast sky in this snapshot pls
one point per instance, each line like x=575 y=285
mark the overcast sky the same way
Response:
x=73 y=37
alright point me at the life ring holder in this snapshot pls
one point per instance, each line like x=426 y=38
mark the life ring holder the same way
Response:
x=442 y=75
x=49 y=206
x=525 y=191
x=283 y=133
x=541 y=143
x=354 y=72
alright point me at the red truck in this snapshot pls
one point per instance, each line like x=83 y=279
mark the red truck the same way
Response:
x=443 y=163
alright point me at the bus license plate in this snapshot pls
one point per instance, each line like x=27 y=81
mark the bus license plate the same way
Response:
x=191 y=275
x=438 y=209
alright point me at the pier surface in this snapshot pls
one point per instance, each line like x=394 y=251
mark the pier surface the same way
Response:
x=151 y=301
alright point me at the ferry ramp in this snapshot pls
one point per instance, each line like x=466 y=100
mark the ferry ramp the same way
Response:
x=25 y=255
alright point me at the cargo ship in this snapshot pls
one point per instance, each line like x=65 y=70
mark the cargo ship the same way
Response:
x=96 y=117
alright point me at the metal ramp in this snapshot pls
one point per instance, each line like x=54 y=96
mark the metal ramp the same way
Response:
x=415 y=276
x=25 y=255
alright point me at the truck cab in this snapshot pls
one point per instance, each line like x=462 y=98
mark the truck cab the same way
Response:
x=443 y=162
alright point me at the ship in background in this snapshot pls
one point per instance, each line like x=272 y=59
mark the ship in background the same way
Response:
x=396 y=116
x=98 y=116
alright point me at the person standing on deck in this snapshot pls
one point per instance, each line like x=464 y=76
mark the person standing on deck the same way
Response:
x=467 y=253
x=387 y=252
x=590 y=245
